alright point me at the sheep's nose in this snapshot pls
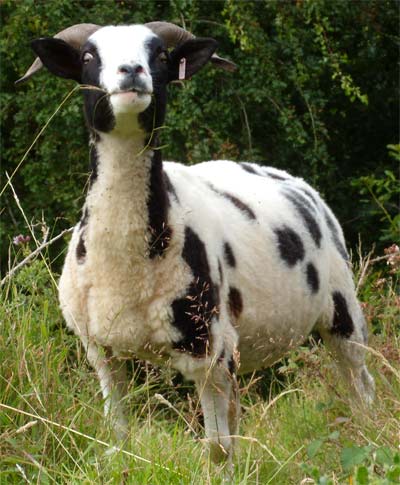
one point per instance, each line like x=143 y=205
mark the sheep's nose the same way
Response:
x=130 y=70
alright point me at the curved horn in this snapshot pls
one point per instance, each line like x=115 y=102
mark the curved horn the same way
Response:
x=174 y=35
x=76 y=35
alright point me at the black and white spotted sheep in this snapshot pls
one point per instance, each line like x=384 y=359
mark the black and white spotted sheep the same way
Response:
x=221 y=267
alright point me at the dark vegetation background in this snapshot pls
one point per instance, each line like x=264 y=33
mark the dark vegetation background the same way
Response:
x=315 y=93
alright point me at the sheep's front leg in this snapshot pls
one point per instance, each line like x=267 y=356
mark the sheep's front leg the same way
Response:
x=219 y=401
x=114 y=383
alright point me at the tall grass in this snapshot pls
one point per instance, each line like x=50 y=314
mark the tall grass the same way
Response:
x=299 y=425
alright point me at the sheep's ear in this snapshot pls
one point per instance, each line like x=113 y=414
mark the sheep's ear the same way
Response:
x=190 y=56
x=60 y=58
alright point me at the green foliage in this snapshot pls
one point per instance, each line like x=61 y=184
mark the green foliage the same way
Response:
x=380 y=196
x=315 y=93
x=361 y=465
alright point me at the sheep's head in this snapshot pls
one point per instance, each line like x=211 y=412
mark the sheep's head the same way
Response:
x=124 y=70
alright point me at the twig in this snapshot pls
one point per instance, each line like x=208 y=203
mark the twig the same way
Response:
x=246 y=123
x=34 y=253
x=364 y=265
x=210 y=22
x=11 y=213
x=386 y=256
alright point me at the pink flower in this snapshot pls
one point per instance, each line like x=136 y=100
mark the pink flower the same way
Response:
x=20 y=239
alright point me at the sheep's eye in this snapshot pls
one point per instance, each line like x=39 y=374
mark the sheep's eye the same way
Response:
x=163 y=57
x=87 y=57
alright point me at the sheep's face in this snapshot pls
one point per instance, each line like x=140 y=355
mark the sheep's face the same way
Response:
x=124 y=72
x=129 y=66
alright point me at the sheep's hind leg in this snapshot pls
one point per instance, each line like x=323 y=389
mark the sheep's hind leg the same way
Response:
x=114 y=384
x=346 y=337
x=219 y=401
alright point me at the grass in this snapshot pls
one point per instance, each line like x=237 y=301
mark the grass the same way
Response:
x=298 y=424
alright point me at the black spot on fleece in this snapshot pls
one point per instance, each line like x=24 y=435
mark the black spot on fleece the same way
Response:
x=290 y=245
x=194 y=312
x=342 y=324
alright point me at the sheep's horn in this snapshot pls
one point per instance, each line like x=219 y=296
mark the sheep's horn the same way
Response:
x=173 y=35
x=76 y=35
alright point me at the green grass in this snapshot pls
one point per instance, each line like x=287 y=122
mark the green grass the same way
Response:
x=298 y=425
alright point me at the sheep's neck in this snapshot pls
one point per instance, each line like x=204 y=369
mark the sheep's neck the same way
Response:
x=118 y=199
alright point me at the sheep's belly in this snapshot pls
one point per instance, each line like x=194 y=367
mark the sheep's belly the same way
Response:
x=268 y=332
x=264 y=348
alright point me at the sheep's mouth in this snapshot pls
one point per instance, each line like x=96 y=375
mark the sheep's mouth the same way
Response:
x=131 y=93
x=133 y=86
x=137 y=91
x=130 y=101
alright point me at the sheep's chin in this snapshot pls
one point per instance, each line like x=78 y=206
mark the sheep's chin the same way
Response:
x=129 y=102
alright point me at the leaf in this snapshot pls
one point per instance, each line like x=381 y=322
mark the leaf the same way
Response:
x=362 y=475
x=353 y=456
x=340 y=420
x=324 y=481
x=313 y=447
x=334 y=436
x=384 y=456
x=394 y=474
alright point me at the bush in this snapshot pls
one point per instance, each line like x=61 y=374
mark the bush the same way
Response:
x=315 y=93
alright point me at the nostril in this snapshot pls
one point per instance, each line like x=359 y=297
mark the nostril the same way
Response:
x=127 y=69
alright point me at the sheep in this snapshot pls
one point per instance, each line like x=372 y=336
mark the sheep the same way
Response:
x=220 y=268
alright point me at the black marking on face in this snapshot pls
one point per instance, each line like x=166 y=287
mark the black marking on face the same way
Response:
x=342 y=324
x=157 y=206
x=236 y=202
x=335 y=236
x=249 y=168
x=153 y=117
x=98 y=110
x=81 y=250
x=229 y=256
x=290 y=245
x=193 y=313
x=235 y=301
x=312 y=278
x=313 y=228
x=170 y=188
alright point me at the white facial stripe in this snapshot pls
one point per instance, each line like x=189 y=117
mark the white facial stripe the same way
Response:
x=122 y=45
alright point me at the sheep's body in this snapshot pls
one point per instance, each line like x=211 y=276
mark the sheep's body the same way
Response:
x=128 y=300
x=220 y=267
x=115 y=300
